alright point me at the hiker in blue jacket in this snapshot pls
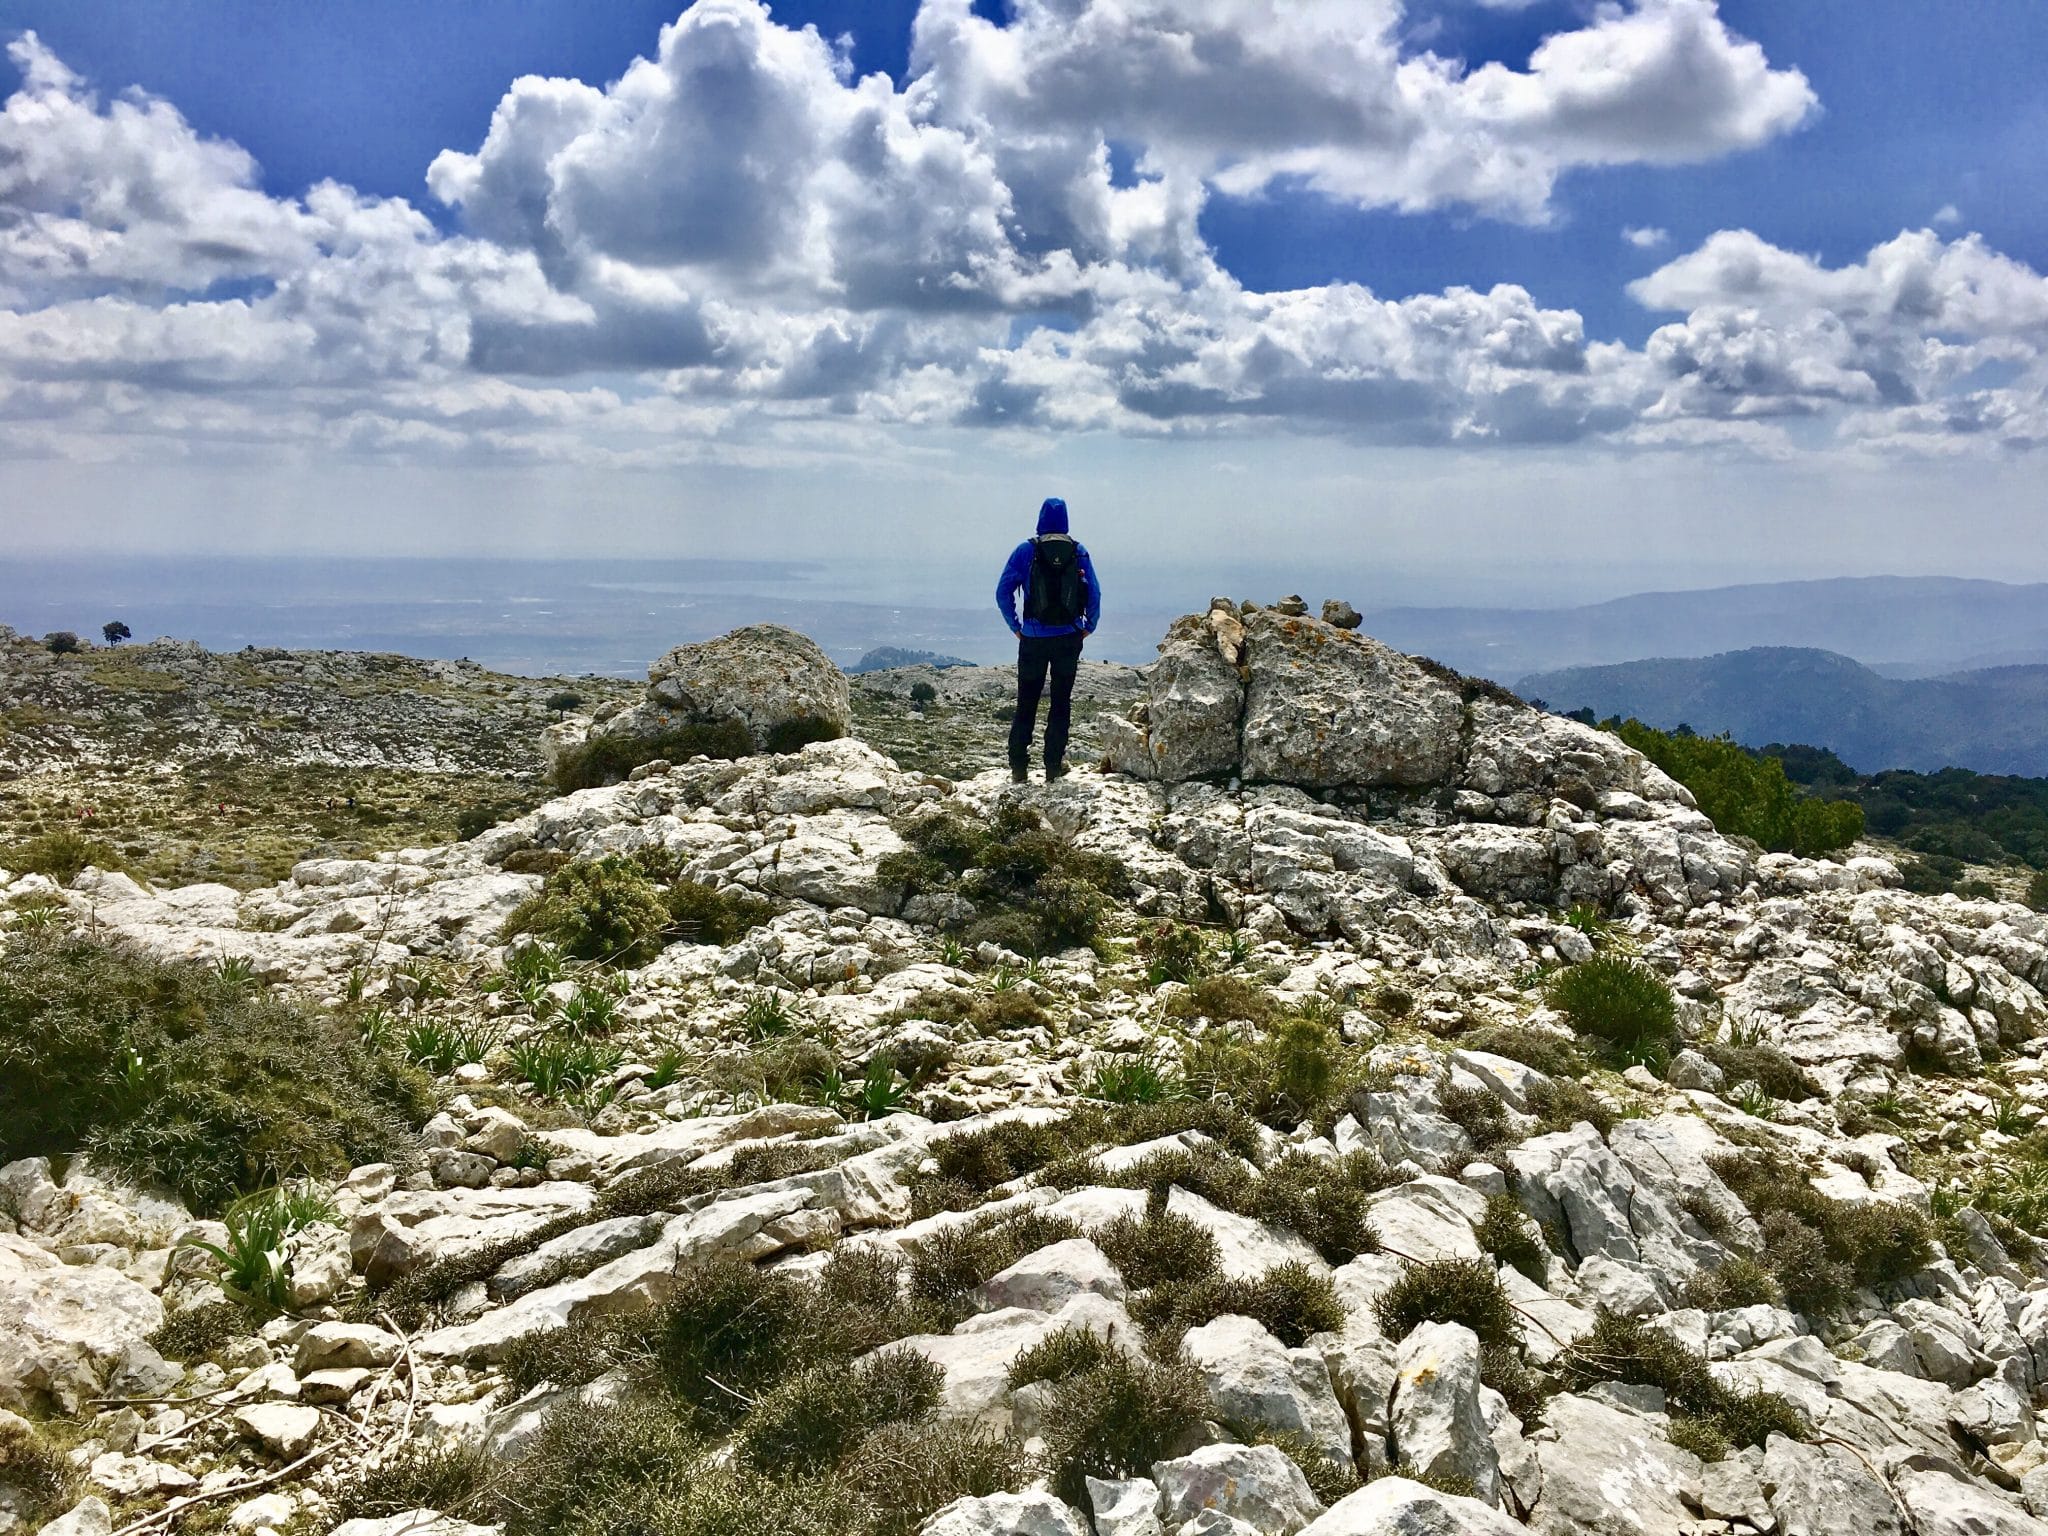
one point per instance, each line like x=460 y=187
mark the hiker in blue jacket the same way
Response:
x=1062 y=605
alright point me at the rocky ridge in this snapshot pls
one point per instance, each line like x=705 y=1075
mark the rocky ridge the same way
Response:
x=1398 y=851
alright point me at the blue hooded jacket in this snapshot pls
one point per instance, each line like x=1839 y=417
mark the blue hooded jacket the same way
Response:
x=1052 y=518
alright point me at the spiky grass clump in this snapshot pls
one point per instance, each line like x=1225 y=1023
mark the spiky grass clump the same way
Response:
x=1620 y=1002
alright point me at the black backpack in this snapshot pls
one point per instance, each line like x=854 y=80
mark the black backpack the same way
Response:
x=1054 y=594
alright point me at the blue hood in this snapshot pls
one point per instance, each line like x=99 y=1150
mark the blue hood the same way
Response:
x=1052 y=516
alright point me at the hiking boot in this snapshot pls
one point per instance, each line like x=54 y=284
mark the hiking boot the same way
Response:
x=1055 y=771
x=1019 y=773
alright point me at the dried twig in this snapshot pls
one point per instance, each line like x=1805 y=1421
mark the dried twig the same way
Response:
x=169 y=1514
x=412 y=1374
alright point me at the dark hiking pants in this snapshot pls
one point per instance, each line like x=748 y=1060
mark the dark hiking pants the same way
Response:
x=1036 y=656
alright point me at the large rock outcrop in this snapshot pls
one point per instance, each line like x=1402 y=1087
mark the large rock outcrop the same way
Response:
x=1278 y=697
x=775 y=684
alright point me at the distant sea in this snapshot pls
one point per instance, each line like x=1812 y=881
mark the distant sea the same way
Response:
x=535 y=617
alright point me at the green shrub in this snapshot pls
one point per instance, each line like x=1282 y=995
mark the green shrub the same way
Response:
x=1063 y=1353
x=1507 y=1233
x=903 y=1474
x=162 y=1071
x=1561 y=1103
x=705 y=914
x=608 y=759
x=603 y=909
x=1820 y=1248
x=1118 y=1417
x=945 y=1265
x=448 y=1477
x=1466 y=1291
x=1747 y=795
x=1324 y=1200
x=1620 y=1349
x=1291 y=1301
x=1226 y=999
x=1737 y=1282
x=1765 y=1065
x=1549 y=1052
x=196 y=1332
x=1160 y=1248
x=814 y=1418
x=1619 y=1001
x=60 y=855
x=2037 y=891
x=1032 y=890
x=44 y=1481
x=1173 y=952
x=1478 y=1112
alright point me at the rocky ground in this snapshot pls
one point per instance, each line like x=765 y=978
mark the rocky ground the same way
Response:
x=1311 y=1124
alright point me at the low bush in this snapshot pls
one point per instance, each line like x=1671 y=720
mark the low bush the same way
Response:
x=1765 y=1065
x=1063 y=1353
x=1478 y=1112
x=1620 y=1002
x=1225 y=999
x=608 y=759
x=1819 y=1248
x=194 y=1333
x=1032 y=891
x=1291 y=1301
x=1159 y=1248
x=1507 y=1233
x=2037 y=891
x=37 y=1471
x=1466 y=1291
x=1549 y=1052
x=169 y=1073
x=812 y=1419
x=1119 y=1416
x=948 y=1263
x=450 y=1477
x=1297 y=1069
x=1174 y=952
x=1560 y=1103
x=706 y=914
x=601 y=910
x=60 y=855
x=1325 y=1200
x=1620 y=1349
x=1737 y=1282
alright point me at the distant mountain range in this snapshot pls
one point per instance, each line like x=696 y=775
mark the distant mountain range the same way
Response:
x=1898 y=626
x=1992 y=720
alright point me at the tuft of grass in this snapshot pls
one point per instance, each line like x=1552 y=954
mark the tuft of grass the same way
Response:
x=1062 y=1354
x=1158 y=1249
x=1291 y=1301
x=1466 y=1291
x=1620 y=1002
x=161 y=1071
x=554 y=1065
x=36 y=1470
x=1561 y=1103
x=256 y=1261
x=949 y=1263
x=1135 y=1080
x=441 y=1046
x=813 y=1418
x=1550 y=1053
x=1478 y=1112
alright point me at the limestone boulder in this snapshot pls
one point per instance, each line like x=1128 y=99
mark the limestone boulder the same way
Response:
x=1326 y=707
x=1438 y=1425
x=1187 y=726
x=1007 y=1514
x=1253 y=1483
x=1397 y=1506
x=67 y=1326
x=764 y=677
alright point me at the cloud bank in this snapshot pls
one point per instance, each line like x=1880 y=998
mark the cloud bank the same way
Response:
x=740 y=251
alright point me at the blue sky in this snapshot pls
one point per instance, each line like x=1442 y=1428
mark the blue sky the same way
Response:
x=973 y=302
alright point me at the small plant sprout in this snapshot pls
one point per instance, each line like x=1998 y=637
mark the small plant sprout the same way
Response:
x=1753 y=1101
x=592 y=1010
x=882 y=1091
x=235 y=973
x=2012 y=1116
x=767 y=1016
x=668 y=1067
x=952 y=952
x=256 y=1260
x=442 y=1047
